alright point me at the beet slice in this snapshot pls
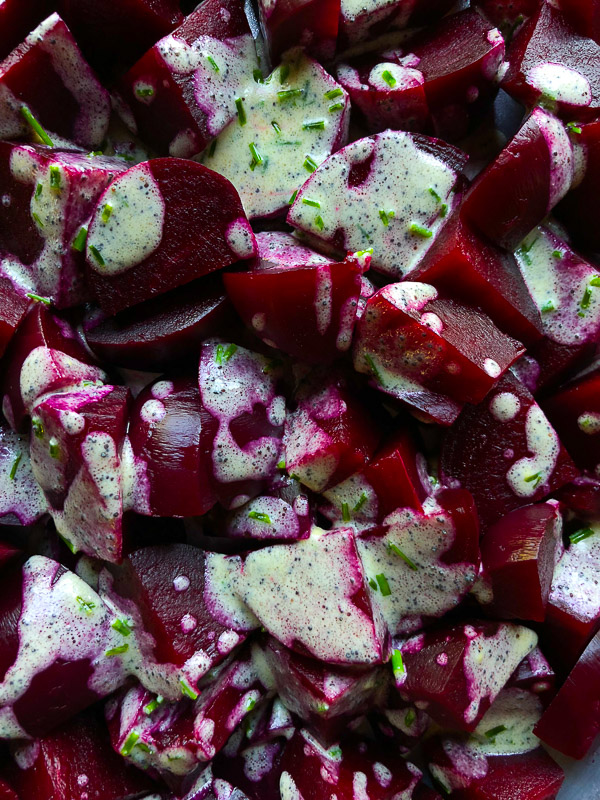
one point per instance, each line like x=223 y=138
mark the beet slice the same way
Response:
x=140 y=241
x=536 y=675
x=48 y=77
x=517 y=190
x=287 y=23
x=505 y=452
x=518 y=554
x=508 y=15
x=17 y=20
x=13 y=308
x=21 y=499
x=584 y=15
x=360 y=22
x=281 y=513
x=165 y=427
x=550 y=63
x=156 y=334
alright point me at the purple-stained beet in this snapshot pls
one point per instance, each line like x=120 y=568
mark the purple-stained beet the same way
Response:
x=173 y=474
x=21 y=499
x=17 y=19
x=505 y=452
x=48 y=77
x=314 y=23
x=536 y=675
x=160 y=225
x=518 y=554
x=13 y=308
x=360 y=22
x=508 y=15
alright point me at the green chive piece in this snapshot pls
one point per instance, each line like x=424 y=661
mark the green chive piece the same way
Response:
x=419 y=230
x=308 y=202
x=54 y=449
x=362 y=500
x=219 y=354
x=434 y=194
x=360 y=253
x=15 y=466
x=336 y=107
x=152 y=705
x=587 y=297
x=292 y=198
x=317 y=125
x=187 y=690
x=309 y=164
x=580 y=535
x=443 y=209
x=79 y=240
x=548 y=306
x=537 y=478
x=335 y=752
x=35 y=126
x=289 y=94
x=260 y=516
x=493 y=732
x=384 y=586
x=241 y=113
x=557 y=253
x=146 y=91
x=106 y=212
x=85 y=605
x=38 y=428
x=129 y=743
x=257 y=75
x=595 y=281
x=276 y=127
x=389 y=78
x=68 y=543
x=257 y=159
x=386 y=216
x=37 y=219
x=281 y=464
x=346 y=512
x=117 y=651
x=38 y=190
x=213 y=63
x=250 y=704
x=395 y=549
x=373 y=584
x=319 y=222
x=284 y=73
x=144 y=747
x=523 y=253
x=122 y=627
x=55 y=179
x=372 y=366
x=97 y=255
x=333 y=93
x=230 y=352
x=573 y=127
x=397 y=663
x=410 y=717
x=212 y=148
x=37 y=299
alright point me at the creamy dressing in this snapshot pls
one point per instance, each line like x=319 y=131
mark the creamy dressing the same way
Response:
x=221 y=592
x=504 y=406
x=589 y=423
x=389 y=210
x=527 y=474
x=21 y=498
x=360 y=497
x=560 y=84
x=518 y=711
x=265 y=518
x=575 y=583
x=404 y=77
x=561 y=155
x=357 y=16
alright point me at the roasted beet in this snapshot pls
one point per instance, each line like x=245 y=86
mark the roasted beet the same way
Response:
x=17 y=20
x=315 y=23
x=13 y=308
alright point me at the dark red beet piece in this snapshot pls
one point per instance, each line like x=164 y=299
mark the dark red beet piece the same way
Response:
x=507 y=14
x=584 y=15
x=164 y=430
x=13 y=308
x=314 y=23
x=156 y=334
x=579 y=209
x=11 y=604
x=582 y=496
x=17 y=19
x=505 y=452
x=193 y=223
x=518 y=554
x=536 y=675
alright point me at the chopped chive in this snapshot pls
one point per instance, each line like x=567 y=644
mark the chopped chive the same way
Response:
x=85 y=605
x=317 y=125
x=360 y=504
x=346 y=512
x=580 y=535
x=386 y=216
x=384 y=586
x=55 y=180
x=250 y=704
x=410 y=717
x=97 y=255
x=322 y=708
x=493 y=732
x=397 y=663
x=35 y=126
x=124 y=156
x=36 y=298
x=389 y=78
x=537 y=478
x=37 y=219
x=335 y=752
x=523 y=253
x=276 y=127
x=281 y=464
x=595 y=281
x=257 y=75
x=54 y=449
x=319 y=222
x=187 y=690
x=289 y=94
x=79 y=240
x=241 y=113
x=375 y=372
x=294 y=476
x=260 y=516
x=144 y=747
x=15 y=466
x=117 y=651
x=336 y=107
x=434 y=194
x=557 y=253
x=587 y=297
x=333 y=93
x=284 y=73
x=38 y=428
x=308 y=202
x=573 y=127
x=548 y=306
x=361 y=253
x=38 y=190
x=420 y=230
x=145 y=91
x=106 y=212
x=373 y=584
x=309 y=164
x=230 y=352
x=212 y=148
x=274 y=363
x=443 y=209
x=292 y=198
x=395 y=549
x=122 y=627
x=213 y=63
x=153 y=705
x=129 y=743
x=257 y=159
x=68 y=543
x=219 y=354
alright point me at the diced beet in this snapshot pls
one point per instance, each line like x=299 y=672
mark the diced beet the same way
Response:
x=582 y=496
x=48 y=198
x=175 y=589
x=73 y=760
x=505 y=452
x=17 y=19
x=360 y=22
x=76 y=445
x=574 y=410
x=65 y=659
x=282 y=513
x=292 y=121
x=550 y=63
x=559 y=362
x=241 y=422
x=331 y=435
x=314 y=24
x=173 y=474
x=376 y=193
x=518 y=554
x=116 y=33
x=231 y=768
x=21 y=499
x=47 y=76
x=535 y=674
x=160 y=332
x=508 y=15
x=517 y=190
x=307 y=312
x=400 y=722
x=464 y=266
x=13 y=308
x=415 y=344
x=325 y=696
x=394 y=478
x=455 y=673
x=584 y=15
x=572 y=720
x=573 y=614
x=160 y=225
x=178 y=99
x=311 y=596
x=283 y=250
x=579 y=209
